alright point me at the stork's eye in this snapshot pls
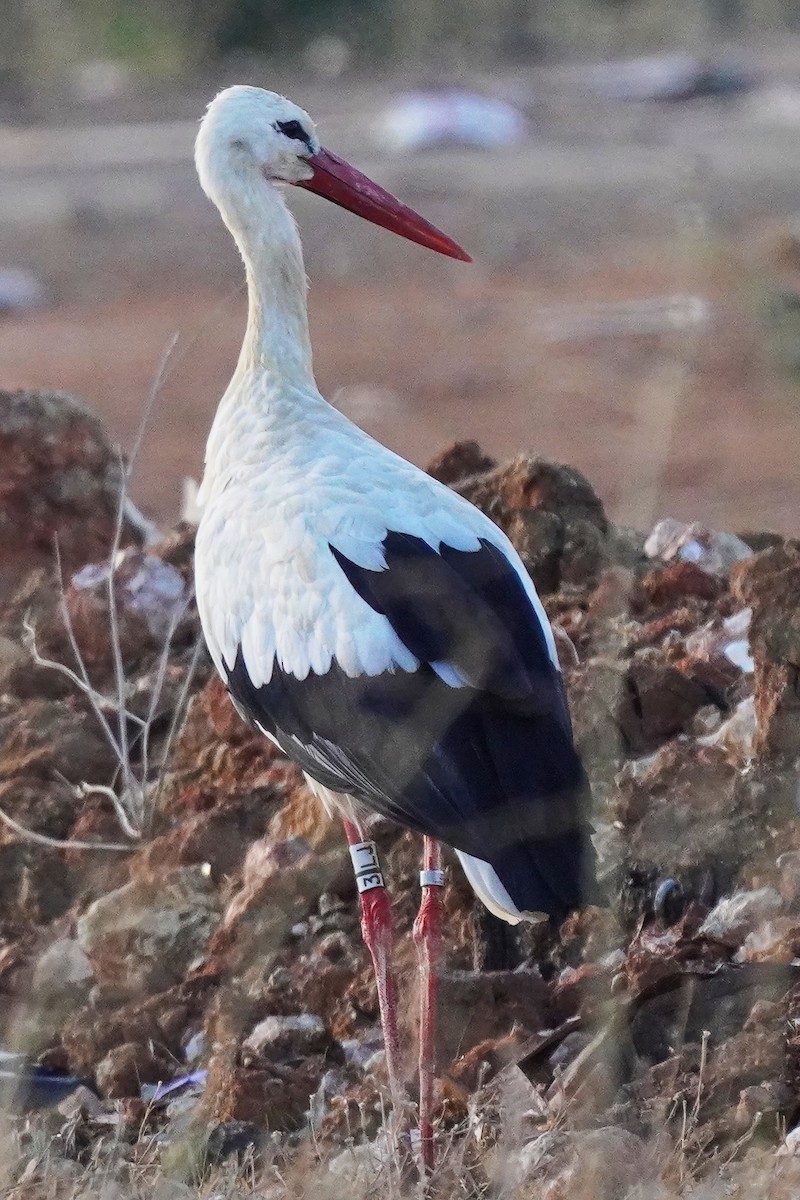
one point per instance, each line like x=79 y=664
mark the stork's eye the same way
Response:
x=294 y=130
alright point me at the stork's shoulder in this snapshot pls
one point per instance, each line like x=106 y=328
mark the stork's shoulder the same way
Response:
x=421 y=506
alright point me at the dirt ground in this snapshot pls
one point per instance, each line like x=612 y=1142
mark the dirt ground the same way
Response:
x=555 y=339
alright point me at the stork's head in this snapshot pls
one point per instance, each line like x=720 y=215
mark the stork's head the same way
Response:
x=250 y=139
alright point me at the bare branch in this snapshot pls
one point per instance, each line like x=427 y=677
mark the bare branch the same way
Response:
x=155 y=388
x=52 y=664
x=130 y=793
x=98 y=789
x=177 y=716
x=58 y=843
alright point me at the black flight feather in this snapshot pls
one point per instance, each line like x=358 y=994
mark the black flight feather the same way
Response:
x=490 y=767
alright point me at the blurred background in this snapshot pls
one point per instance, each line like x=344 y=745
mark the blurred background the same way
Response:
x=625 y=173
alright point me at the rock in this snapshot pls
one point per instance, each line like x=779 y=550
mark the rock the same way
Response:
x=597 y=1164
x=83 y=1104
x=63 y=965
x=754 y=1058
x=538 y=538
x=221 y=837
x=715 y=552
x=737 y=915
x=145 y=934
x=150 y=594
x=357 y=1167
x=475 y=1008
x=284 y=1038
x=125 y=1068
x=220 y=766
x=273 y=873
x=233 y=1137
x=35 y=885
x=720 y=1002
x=335 y=946
x=528 y=482
x=13 y=662
x=61 y=479
x=329 y=903
x=659 y=701
x=685 y=812
x=630 y=708
x=719 y=651
x=270 y=1097
x=777 y=709
x=776 y=941
x=736 y=736
x=43 y=739
x=706 y=721
x=113 y=1018
x=459 y=462
x=552 y=515
x=61 y=981
x=788 y=865
x=589 y=934
x=769 y=584
x=771 y=1100
x=668 y=585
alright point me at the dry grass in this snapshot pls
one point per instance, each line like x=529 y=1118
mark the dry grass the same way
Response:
x=44 y=1158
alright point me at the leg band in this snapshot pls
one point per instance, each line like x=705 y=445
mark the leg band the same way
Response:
x=366 y=865
x=431 y=879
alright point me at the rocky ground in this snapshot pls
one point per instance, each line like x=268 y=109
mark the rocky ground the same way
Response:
x=187 y=1006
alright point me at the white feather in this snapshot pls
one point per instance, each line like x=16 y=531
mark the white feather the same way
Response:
x=449 y=674
x=486 y=885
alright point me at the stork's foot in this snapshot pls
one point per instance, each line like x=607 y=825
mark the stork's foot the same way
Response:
x=428 y=940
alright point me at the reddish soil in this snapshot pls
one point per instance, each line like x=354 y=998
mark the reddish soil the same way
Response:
x=698 y=424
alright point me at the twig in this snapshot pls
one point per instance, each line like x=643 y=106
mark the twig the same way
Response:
x=131 y=784
x=700 y=1075
x=158 y=686
x=155 y=388
x=58 y=843
x=99 y=789
x=116 y=643
x=52 y=664
x=180 y=708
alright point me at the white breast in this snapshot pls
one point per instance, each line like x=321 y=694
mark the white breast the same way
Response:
x=266 y=578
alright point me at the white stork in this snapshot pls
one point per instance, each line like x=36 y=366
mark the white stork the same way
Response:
x=375 y=625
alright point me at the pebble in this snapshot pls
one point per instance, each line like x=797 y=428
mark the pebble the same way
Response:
x=288 y=1037
x=233 y=1137
x=739 y=914
x=710 y=549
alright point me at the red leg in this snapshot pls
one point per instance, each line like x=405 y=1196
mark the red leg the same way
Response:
x=376 y=929
x=428 y=940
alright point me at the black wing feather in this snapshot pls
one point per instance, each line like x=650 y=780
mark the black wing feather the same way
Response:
x=489 y=768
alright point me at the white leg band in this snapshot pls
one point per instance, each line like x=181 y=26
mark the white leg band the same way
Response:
x=367 y=868
x=431 y=879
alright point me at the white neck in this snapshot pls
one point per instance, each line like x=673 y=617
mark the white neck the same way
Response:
x=273 y=384
x=276 y=343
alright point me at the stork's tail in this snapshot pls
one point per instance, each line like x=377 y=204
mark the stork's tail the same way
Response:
x=535 y=877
